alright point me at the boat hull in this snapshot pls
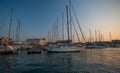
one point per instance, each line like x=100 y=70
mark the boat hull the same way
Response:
x=64 y=50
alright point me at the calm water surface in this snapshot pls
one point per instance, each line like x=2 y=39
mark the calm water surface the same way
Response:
x=87 y=61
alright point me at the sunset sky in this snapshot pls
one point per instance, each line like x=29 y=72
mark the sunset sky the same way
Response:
x=38 y=16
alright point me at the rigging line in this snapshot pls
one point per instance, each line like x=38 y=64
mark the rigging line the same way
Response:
x=75 y=31
x=23 y=33
x=78 y=23
x=52 y=33
x=10 y=23
x=3 y=26
x=5 y=30
x=58 y=29
x=0 y=28
x=73 y=39
x=55 y=31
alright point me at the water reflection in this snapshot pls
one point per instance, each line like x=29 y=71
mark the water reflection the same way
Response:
x=86 y=61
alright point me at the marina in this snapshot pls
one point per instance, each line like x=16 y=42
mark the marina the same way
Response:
x=59 y=36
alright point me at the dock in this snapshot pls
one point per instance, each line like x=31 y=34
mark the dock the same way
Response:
x=33 y=50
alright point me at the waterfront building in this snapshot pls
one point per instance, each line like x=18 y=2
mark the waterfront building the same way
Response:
x=36 y=41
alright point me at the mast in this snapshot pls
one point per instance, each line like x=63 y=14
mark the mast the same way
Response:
x=90 y=39
x=48 y=36
x=70 y=20
x=18 y=30
x=68 y=25
x=62 y=26
x=51 y=36
x=95 y=36
x=110 y=36
x=9 y=34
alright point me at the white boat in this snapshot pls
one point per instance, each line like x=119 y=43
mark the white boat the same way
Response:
x=64 y=49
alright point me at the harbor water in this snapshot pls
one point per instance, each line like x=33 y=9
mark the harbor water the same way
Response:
x=86 y=61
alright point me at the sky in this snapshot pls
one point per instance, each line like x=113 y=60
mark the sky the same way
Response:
x=38 y=16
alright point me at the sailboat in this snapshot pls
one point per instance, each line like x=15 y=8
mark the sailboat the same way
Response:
x=64 y=45
x=6 y=43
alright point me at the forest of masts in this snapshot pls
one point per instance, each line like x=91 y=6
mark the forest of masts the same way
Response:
x=66 y=28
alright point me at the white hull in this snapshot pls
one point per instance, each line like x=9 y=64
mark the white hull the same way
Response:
x=64 y=49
